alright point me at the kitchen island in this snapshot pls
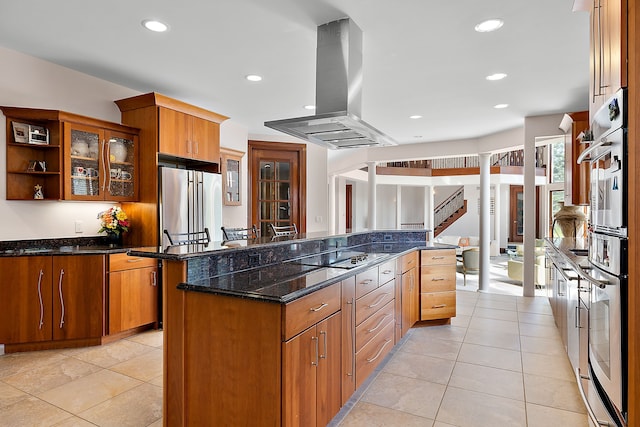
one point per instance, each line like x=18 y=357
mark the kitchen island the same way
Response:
x=288 y=341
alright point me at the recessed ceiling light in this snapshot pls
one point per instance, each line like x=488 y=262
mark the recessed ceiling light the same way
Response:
x=416 y=116
x=489 y=25
x=496 y=76
x=253 y=78
x=499 y=106
x=156 y=26
x=309 y=107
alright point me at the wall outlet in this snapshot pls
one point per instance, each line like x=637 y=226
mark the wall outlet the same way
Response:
x=79 y=226
x=319 y=219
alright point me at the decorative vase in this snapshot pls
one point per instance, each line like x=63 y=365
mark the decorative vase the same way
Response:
x=118 y=151
x=114 y=239
x=569 y=219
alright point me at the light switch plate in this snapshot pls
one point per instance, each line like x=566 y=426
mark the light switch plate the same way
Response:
x=79 y=226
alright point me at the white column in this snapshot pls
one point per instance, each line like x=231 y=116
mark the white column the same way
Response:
x=398 y=206
x=485 y=221
x=371 y=166
x=332 y=205
x=428 y=211
x=529 y=211
x=497 y=209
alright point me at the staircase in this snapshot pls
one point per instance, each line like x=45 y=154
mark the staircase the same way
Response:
x=449 y=211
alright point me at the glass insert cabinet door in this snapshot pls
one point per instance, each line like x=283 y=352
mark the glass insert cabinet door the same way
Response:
x=100 y=164
x=230 y=161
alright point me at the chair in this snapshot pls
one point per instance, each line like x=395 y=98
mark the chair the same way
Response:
x=285 y=230
x=239 y=233
x=470 y=262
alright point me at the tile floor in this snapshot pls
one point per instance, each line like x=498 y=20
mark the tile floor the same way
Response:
x=500 y=363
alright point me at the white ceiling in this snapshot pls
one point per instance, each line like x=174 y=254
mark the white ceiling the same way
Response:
x=420 y=56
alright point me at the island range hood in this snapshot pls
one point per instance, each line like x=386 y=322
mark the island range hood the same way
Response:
x=337 y=123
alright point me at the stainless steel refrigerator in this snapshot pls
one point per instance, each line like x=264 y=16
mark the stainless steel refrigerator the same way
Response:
x=190 y=207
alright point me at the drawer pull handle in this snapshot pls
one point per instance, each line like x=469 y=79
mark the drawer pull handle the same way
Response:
x=410 y=261
x=386 y=272
x=134 y=260
x=439 y=306
x=315 y=341
x=379 y=323
x=379 y=351
x=366 y=282
x=437 y=257
x=320 y=307
x=437 y=279
x=379 y=300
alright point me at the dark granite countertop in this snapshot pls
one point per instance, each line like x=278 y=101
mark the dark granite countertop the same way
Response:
x=65 y=246
x=288 y=281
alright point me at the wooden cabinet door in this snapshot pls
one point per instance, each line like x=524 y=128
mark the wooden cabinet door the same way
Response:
x=173 y=133
x=348 y=314
x=25 y=292
x=410 y=301
x=205 y=140
x=300 y=358
x=133 y=298
x=121 y=166
x=78 y=289
x=328 y=384
x=84 y=174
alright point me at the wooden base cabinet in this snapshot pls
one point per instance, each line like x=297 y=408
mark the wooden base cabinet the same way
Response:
x=51 y=298
x=133 y=292
x=409 y=312
x=437 y=284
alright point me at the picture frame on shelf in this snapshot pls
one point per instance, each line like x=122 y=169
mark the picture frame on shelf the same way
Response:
x=20 y=132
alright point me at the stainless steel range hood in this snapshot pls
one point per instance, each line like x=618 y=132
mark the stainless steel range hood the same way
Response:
x=337 y=122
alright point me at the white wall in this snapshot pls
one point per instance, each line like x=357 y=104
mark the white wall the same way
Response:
x=412 y=206
x=386 y=206
x=26 y=81
x=233 y=135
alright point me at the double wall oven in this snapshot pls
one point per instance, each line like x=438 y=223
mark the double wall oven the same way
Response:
x=604 y=384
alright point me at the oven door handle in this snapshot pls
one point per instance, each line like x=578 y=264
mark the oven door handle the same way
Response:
x=583 y=395
x=602 y=284
x=583 y=156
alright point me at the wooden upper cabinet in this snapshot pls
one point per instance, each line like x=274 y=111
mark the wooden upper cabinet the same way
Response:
x=230 y=161
x=577 y=176
x=608 y=53
x=184 y=130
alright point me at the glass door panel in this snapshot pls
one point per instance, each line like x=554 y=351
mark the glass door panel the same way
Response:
x=120 y=166
x=85 y=164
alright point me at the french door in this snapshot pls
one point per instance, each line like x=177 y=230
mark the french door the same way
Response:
x=278 y=182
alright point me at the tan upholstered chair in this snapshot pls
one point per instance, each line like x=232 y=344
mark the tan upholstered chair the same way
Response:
x=470 y=262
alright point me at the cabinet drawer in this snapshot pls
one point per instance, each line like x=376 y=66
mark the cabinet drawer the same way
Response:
x=366 y=281
x=437 y=305
x=409 y=261
x=373 y=353
x=438 y=278
x=373 y=325
x=438 y=256
x=374 y=301
x=386 y=272
x=310 y=309
x=123 y=261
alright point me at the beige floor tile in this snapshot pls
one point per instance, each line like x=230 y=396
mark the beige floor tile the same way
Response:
x=548 y=346
x=10 y=395
x=114 y=353
x=445 y=332
x=490 y=356
x=536 y=319
x=157 y=381
x=31 y=412
x=547 y=366
x=533 y=330
x=74 y=422
x=553 y=392
x=89 y=391
x=495 y=325
x=543 y=416
x=366 y=414
x=509 y=341
x=156 y=424
x=441 y=424
x=496 y=304
x=422 y=367
x=484 y=379
x=466 y=408
x=43 y=378
x=467 y=295
x=404 y=394
x=140 y=406
x=150 y=338
x=144 y=367
x=464 y=309
x=460 y=320
x=490 y=313
x=538 y=305
x=432 y=347
x=486 y=296
x=15 y=363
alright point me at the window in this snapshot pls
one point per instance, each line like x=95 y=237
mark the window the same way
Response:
x=556 y=154
x=556 y=201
